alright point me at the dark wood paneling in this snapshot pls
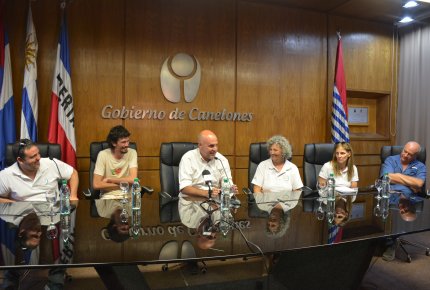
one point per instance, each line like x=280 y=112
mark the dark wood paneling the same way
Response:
x=281 y=74
x=255 y=57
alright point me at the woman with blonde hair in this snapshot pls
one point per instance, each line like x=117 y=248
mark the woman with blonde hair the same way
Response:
x=342 y=166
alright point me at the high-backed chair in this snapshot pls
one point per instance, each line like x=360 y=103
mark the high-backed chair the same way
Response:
x=51 y=150
x=314 y=157
x=95 y=148
x=170 y=157
x=257 y=152
x=387 y=151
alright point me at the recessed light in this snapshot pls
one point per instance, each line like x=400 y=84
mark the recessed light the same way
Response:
x=406 y=19
x=410 y=4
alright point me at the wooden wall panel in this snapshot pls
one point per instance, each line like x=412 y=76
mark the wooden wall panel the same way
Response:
x=255 y=57
x=367 y=53
x=162 y=29
x=96 y=35
x=281 y=74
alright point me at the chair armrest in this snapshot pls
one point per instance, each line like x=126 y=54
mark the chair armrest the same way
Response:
x=166 y=198
x=247 y=191
x=147 y=189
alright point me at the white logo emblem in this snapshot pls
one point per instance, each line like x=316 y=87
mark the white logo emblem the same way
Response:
x=180 y=77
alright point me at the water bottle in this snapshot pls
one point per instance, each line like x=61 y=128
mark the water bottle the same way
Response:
x=226 y=217
x=331 y=184
x=385 y=186
x=65 y=227
x=330 y=198
x=136 y=198
x=135 y=221
x=136 y=201
x=225 y=195
x=64 y=198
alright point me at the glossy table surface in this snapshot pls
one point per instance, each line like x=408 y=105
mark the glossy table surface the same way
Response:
x=98 y=236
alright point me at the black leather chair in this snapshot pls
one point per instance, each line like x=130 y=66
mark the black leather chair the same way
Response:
x=170 y=157
x=257 y=152
x=314 y=157
x=51 y=150
x=387 y=151
x=95 y=148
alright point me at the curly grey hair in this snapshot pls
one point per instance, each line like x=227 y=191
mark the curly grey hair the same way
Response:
x=284 y=224
x=287 y=151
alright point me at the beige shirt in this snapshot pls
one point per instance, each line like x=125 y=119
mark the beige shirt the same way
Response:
x=110 y=167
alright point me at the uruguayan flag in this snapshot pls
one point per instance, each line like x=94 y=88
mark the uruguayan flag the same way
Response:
x=29 y=92
x=7 y=106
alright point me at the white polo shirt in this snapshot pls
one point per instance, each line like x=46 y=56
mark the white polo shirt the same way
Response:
x=17 y=186
x=340 y=180
x=271 y=180
x=192 y=165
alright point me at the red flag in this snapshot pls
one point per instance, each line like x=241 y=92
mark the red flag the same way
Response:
x=61 y=121
x=339 y=115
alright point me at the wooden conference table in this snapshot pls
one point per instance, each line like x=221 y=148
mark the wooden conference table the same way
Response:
x=301 y=246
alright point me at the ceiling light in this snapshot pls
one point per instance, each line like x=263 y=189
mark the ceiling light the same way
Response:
x=410 y=4
x=427 y=1
x=406 y=19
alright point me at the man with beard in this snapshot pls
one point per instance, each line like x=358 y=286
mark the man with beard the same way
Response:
x=116 y=164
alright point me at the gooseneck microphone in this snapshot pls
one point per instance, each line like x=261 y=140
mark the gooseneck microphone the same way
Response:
x=234 y=202
x=56 y=166
x=60 y=181
x=207 y=177
x=223 y=168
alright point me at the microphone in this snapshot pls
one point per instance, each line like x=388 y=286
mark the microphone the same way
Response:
x=225 y=171
x=60 y=181
x=207 y=177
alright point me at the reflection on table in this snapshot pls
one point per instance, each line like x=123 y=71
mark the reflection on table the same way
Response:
x=265 y=222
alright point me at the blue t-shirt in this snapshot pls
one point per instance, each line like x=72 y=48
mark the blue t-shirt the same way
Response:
x=415 y=169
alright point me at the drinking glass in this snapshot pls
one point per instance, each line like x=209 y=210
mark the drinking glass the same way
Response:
x=124 y=186
x=52 y=231
x=377 y=211
x=320 y=212
x=330 y=217
x=51 y=197
x=321 y=187
x=378 y=186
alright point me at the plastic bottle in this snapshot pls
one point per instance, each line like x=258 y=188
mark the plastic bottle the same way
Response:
x=65 y=227
x=226 y=217
x=385 y=186
x=136 y=198
x=331 y=184
x=136 y=202
x=64 y=198
x=225 y=195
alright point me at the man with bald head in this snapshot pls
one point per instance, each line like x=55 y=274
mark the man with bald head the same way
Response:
x=406 y=174
x=205 y=157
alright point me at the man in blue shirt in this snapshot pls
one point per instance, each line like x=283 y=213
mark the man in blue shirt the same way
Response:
x=406 y=174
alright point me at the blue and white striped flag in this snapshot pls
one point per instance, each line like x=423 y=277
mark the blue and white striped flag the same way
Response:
x=334 y=234
x=29 y=92
x=7 y=106
x=339 y=115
